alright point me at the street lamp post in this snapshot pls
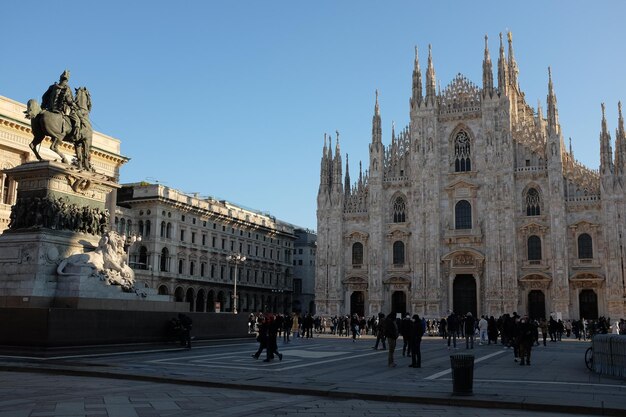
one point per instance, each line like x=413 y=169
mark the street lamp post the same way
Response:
x=129 y=240
x=236 y=258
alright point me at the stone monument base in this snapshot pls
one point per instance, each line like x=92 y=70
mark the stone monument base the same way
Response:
x=43 y=328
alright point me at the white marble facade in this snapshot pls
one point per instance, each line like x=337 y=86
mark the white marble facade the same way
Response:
x=477 y=206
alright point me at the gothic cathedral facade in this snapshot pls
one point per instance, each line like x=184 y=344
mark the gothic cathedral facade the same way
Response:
x=477 y=206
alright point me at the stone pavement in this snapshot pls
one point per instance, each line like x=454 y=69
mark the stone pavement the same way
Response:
x=323 y=376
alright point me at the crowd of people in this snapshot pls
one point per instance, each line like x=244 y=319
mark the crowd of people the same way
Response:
x=510 y=330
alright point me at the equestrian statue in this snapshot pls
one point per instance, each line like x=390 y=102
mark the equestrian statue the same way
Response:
x=64 y=118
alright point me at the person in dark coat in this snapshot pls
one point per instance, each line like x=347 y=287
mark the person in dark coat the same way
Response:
x=185 y=324
x=525 y=339
x=453 y=328
x=405 y=331
x=380 y=331
x=272 y=334
x=416 y=332
x=469 y=324
x=262 y=337
x=492 y=330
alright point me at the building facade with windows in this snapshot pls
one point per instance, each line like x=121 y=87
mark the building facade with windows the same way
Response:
x=304 y=271
x=185 y=243
x=476 y=206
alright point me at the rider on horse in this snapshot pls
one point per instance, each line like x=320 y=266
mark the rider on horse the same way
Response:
x=59 y=99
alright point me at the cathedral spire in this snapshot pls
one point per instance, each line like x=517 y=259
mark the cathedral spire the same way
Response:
x=512 y=64
x=620 y=143
x=571 y=151
x=325 y=170
x=337 y=175
x=377 y=135
x=487 y=72
x=431 y=83
x=502 y=70
x=417 y=97
x=346 y=187
x=606 y=153
x=553 y=113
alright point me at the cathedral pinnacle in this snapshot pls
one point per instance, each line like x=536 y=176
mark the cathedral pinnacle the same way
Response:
x=487 y=71
x=502 y=70
x=512 y=64
x=376 y=124
x=606 y=153
x=553 y=113
x=417 y=97
x=431 y=83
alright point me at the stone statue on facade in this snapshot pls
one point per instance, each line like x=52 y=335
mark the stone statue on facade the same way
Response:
x=108 y=262
x=64 y=118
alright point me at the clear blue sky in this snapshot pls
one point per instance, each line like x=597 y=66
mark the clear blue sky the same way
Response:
x=245 y=90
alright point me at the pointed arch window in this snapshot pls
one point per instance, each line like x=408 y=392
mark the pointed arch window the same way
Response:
x=533 y=203
x=585 y=246
x=462 y=152
x=147 y=229
x=357 y=254
x=399 y=210
x=463 y=215
x=398 y=252
x=534 y=249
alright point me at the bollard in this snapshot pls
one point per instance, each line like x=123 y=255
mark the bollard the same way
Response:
x=462 y=374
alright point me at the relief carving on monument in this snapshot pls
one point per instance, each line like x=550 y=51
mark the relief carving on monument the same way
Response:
x=463 y=260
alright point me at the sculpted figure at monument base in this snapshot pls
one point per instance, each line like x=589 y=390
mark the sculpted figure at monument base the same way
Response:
x=107 y=263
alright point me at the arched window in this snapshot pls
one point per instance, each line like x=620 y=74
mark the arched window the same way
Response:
x=534 y=248
x=165 y=260
x=143 y=258
x=462 y=161
x=191 y=267
x=585 y=247
x=122 y=226
x=168 y=231
x=202 y=268
x=162 y=229
x=147 y=229
x=163 y=290
x=533 y=206
x=399 y=210
x=463 y=215
x=357 y=253
x=129 y=227
x=140 y=227
x=398 y=252
x=181 y=264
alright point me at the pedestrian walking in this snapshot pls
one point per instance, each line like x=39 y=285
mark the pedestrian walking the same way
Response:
x=391 y=333
x=416 y=332
x=453 y=328
x=470 y=325
x=380 y=332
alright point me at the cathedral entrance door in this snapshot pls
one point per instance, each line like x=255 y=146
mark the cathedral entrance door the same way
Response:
x=398 y=302
x=588 y=301
x=464 y=294
x=357 y=303
x=536 y=305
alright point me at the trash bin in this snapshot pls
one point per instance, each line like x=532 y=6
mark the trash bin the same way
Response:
x=462 y=374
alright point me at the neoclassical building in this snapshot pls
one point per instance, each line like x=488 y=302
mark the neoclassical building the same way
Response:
x=186 y=241
x=476 y=206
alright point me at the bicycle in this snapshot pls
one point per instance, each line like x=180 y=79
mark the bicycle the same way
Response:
x=589 y=358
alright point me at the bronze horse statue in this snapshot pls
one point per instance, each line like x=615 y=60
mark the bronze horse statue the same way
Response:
x=59 y=128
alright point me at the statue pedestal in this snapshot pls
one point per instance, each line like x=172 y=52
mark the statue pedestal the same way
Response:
x=60 y=211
